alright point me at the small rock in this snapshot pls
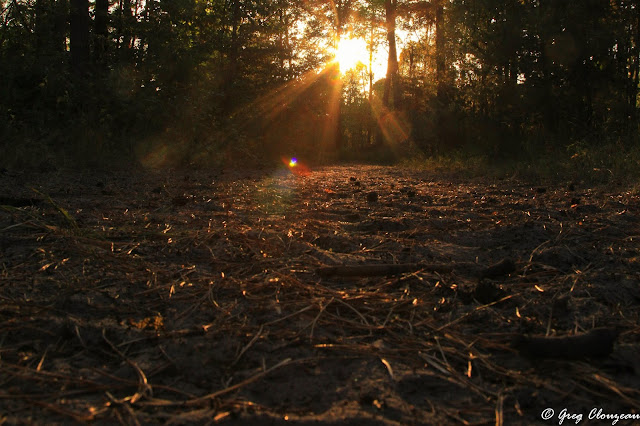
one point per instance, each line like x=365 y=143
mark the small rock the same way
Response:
x=372 y=197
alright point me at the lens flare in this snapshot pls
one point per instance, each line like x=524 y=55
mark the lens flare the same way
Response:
x=295 y=166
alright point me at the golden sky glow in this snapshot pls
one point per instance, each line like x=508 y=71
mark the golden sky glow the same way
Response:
x=350 y=52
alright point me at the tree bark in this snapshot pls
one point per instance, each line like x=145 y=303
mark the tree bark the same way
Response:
x=41 y=28
x=232 y=56
x=101 y=30
x=79 y=36
x=370 y=119
x=391 y=86
x=440 y=56
x=61 y=25
x=124 y=30
x=342 y=14
x=635 y=69
x=370 y=46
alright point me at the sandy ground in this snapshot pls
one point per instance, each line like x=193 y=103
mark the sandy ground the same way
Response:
x=204 y=297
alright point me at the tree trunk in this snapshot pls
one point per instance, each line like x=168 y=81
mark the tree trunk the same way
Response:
x=635 y=70
x=391 y=86
x=370 y=109
x=61 y=25
x=287 y=46
x=411 y=62
x=42 y=31
x=370 y=47
x=547 y=101
x=232 y=57
x=124 y=30
x=440 y=56
x=281 y=36
x=79 y=36
x=101 y=30
x=338 y=99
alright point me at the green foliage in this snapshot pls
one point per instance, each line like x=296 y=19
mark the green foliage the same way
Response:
x=526 y=80
x=165 y=81
x=205 y=82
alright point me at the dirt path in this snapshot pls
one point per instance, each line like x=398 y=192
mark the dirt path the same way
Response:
x=200 y=297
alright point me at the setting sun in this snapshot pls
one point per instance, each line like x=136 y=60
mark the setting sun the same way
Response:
x=350 y=52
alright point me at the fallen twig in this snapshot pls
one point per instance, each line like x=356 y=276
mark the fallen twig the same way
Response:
x=380 y=269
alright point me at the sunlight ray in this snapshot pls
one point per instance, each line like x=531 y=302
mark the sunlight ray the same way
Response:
x=272 y=103
x=394 y=128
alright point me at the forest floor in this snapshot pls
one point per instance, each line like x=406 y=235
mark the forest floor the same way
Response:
x=208 y=297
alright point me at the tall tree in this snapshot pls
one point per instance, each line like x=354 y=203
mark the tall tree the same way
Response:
x=372 y=29
x=124 y=30
x=101 y=30
x=392 y=89
x=440 y=51
x=79 y=36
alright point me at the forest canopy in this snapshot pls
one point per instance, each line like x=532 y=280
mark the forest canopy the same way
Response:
x=171 y=82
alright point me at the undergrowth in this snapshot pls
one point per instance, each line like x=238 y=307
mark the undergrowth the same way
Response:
x=608 y=164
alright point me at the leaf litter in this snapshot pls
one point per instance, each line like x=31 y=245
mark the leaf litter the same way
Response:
x=267 y=297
